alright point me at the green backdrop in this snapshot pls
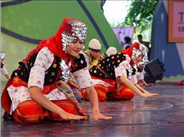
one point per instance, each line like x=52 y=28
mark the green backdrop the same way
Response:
x=39 y=20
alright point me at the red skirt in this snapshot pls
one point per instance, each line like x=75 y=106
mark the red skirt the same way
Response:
x=117 y=91
x=29 y=112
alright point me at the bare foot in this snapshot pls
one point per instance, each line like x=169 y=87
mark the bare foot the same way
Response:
x=96 y=115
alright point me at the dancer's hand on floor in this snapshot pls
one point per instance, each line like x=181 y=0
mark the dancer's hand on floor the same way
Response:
x=148 y=84
x=68 y=116
x=147 y=94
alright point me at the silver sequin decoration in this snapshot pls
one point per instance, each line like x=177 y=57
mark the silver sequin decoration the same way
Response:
x=142 y=50
x=135 y=53
x=66 y=40
x=2 y=55
x=65 y=70
x=82 y=61
x=78 y=30
x=130 y=70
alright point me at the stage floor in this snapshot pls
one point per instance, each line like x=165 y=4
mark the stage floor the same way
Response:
x=161 y=116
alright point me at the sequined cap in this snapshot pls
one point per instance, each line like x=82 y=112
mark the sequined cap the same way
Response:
x=74 y=28
x=142 y=50
x=2 y=55
x=130 y=70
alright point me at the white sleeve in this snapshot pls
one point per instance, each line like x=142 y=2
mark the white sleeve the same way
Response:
x=86 y=58
x=43 y=61
x=4 y=71
x=121 y=70
x=133 y=79
x=83 y=78
x=140 y=76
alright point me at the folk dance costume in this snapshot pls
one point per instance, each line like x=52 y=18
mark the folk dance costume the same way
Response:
x=3 y=69
x=95 y=47
x=47 y=67
x=105 y=75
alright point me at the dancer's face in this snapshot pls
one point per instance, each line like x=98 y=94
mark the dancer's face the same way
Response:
x=137 y=59
x=75 y=47
x=95 y=54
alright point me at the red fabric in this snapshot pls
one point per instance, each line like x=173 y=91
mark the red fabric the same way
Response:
x=112 y=93
x=128 y=51
x=54 y=43
x=124 y=93
x=180 y=83
x=16 y=82
x=2 y=63
x=5 y=98
x=29 y=112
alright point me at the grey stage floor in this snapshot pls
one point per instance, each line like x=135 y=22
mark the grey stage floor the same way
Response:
x=161 y=116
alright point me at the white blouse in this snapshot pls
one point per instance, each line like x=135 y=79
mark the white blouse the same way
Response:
x=122 y=68
x=43 y=61
x=4 y=71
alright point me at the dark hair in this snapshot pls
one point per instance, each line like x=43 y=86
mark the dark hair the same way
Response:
x=127 y=39
x=139 y=35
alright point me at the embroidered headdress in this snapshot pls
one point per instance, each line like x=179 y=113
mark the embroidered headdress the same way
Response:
x=135 y=50
x=68 y=31
x=141 y=50
x=73 y=29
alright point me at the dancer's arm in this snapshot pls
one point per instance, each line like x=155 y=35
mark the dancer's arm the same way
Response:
x=37 y=96
x=93 y=98
x=130 y=85
x=144 y=91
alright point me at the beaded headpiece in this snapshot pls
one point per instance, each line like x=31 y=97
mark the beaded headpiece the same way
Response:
x=73 y=29
x=142 y=50
x=2 y=55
